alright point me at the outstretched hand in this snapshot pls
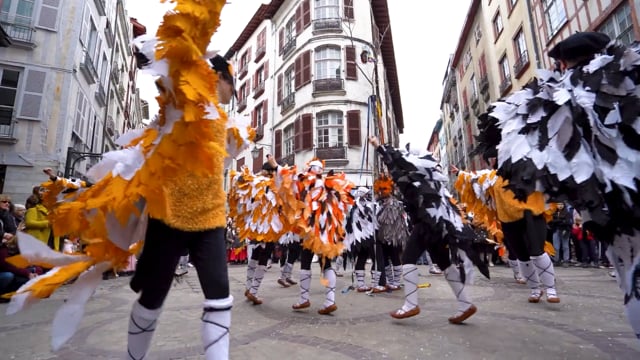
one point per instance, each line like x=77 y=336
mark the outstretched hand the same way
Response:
x=454 y=169
x=374 y=141
x=48 y=171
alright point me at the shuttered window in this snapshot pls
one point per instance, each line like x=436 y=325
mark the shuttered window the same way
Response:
x=48 y=18
x=239 y=164
x=32 y=94
x=257 y=162
x=279 y=90
x=265 y=112
x=288 y=140
x=8 y=96
x=353 y=128
x=348 y=9
x=303 y=69
x=307 y=131
x=327 y=63
x=329 y=129
x=350 y=62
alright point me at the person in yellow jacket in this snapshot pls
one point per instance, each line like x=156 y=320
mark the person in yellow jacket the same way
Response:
x=36 y=221
x=525 y=231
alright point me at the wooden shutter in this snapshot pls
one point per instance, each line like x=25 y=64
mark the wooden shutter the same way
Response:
x=297 y=129
x=239 y=164
x=307 y=131
x=265 y=75
x=299 y=24
x=248 y=56
x=257 y=162
x=279 y=96
x=483 y=65
x=278 y=145
x=348 y=9
x=32 y=94
x=254 y=81
x=306 y=13
x=350 y=58
x=298 y=69
x=465 y=101
x=265 y=111
x=280 y=41
x=254 y=122
x=353 y=128
x=48 y=18
x=306 y=67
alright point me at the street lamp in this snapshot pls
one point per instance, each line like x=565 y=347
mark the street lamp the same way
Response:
x=255 y=152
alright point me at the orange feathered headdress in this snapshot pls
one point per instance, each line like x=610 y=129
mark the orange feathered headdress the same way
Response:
x=383 y=185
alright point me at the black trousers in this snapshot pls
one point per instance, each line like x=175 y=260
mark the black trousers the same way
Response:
x=526 y=236
x=262 y=254
x=421 y=239
x=290 y=253
x=306 y=256
x=162 y=249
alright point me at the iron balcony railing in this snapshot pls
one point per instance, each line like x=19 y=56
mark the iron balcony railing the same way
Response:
x=18 y=32
x=328 y=85
x=288 y=103
x=101 y=95
x=242 y=104
x=523 y=60
x=327 y=24
x=6 y=131
x=288 y=47
x=289 y=159
x=88 y=69
x=331 y=153
x=505 y=85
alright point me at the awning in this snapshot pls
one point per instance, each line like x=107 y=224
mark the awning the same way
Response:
x=14 y=159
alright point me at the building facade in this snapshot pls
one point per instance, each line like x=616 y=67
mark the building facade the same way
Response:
x=315 y=78
x=64 y=87
x=555 y=20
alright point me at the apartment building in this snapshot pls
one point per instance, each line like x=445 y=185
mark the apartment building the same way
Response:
x=555 y=20
x=495 y=55
x=315 y=77
x=61 y=98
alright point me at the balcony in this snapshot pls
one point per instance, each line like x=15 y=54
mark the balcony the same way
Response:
x=21 y=35
x=101 y=95
x=259 y=90
x=110 y=126
x=328 y=85
x=108 y=34
x=260 y=53
x=259 y=133
x=289 y=159
x=288 y=103
x=505 y=86
x=521 y=64
x=242 y=104
x=335 y=155
x=6 y=133
x=100 y=7
x=327 y=25
x=288 y=48
x=88 y=69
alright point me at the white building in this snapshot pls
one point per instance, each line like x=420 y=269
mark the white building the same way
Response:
x=65 y=57
x=306 y=75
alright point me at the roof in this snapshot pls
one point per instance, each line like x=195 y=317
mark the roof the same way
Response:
x=264 y=12
x=468 y=23
x=381 y=17
x=138 y=28
x=5 y=39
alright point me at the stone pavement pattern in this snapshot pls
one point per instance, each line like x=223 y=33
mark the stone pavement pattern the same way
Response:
x=588 y=324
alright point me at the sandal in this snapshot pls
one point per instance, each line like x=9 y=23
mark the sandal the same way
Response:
x=303 y=305
x=552 y=296
x=283 y=283
x=328 y=309
x=535 y=296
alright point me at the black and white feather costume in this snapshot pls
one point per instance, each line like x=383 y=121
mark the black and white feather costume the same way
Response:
x=361 y=221
x=392 y=222
x=428 y=202
x=576 y=137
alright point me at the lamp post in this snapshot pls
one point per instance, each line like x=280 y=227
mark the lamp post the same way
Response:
x=73 y=156
x=255 y=152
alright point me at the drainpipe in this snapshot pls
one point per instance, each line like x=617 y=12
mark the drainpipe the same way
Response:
x=108 y=89
x=534 y=37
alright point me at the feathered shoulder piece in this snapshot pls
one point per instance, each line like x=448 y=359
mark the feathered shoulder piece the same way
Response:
x=61 y=190
x=255 y=207
x=361 y=220
x=392 y=221
x=327 y=199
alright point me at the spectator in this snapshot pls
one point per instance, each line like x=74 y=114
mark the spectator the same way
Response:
x=561 y=229
x=37 y=221
x=18 y=215
x=7 y=222
x=587 y=244
x=12 y=277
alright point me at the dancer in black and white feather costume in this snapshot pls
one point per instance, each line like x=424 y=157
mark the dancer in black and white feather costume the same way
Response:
x=576 y=136
x=437 y=228
x=360 y=228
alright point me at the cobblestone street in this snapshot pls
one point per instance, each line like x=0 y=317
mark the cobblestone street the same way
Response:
x=588 y=324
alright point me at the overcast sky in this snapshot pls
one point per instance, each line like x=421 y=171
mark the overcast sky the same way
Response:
x=421 y=59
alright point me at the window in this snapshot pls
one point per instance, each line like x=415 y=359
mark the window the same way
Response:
x=467 y=59
x=483 y=66
x=474 y=87
x=505 y=73
x=18 y=12
x=327 y=9
x=619 y=25
x=511 y=4
x=555 y=15
x=289 y=81
x=520 y=45
x=497 y=25
x=477 y=33
x=290 y=30
x=82 y=115
x=257 y=116
x=103 y=70
x=330 y=129
x=327 y=63
x=8 y=94
x=288 y=141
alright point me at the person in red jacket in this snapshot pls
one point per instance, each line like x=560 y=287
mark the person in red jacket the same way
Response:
x=587 y=244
